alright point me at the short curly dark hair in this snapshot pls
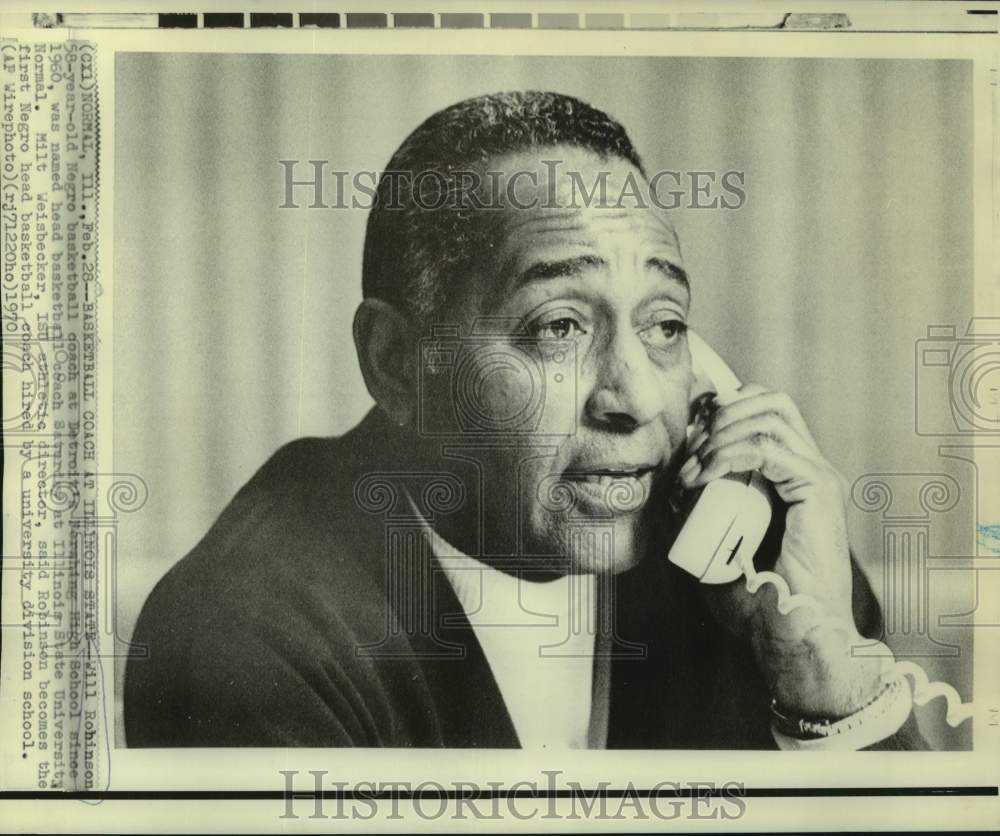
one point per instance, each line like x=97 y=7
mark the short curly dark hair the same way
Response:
x=413 y=256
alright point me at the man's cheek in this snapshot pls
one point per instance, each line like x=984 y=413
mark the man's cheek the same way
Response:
x=559 y=417
x=522 y=395
x=561 y=385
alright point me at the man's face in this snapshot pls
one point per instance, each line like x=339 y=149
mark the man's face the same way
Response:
x=579 y=375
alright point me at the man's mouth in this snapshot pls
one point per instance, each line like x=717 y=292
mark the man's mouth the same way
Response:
x=606 y=476
x=618 y=488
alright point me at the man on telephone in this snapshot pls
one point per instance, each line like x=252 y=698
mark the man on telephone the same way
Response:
x=483 y=560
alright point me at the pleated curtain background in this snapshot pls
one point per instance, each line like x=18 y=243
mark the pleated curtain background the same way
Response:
x=232 y=316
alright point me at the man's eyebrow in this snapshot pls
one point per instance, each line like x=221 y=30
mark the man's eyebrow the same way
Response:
x=671 y=270
x=541 y=270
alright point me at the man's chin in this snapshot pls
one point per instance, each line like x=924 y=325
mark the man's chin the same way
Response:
x=596 y=546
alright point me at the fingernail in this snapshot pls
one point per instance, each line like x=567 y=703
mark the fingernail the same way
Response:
x=698 y=441
x=690 y=468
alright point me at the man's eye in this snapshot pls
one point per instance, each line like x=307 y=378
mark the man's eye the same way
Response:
x=558 y=329
x=664 y=333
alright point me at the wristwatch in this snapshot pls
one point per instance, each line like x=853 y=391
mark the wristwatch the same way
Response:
x=876 y=720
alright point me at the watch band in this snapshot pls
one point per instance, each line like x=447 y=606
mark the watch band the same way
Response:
x=876 y=720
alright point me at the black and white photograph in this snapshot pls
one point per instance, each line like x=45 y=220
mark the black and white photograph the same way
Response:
x=468 y=411
x=468 y=321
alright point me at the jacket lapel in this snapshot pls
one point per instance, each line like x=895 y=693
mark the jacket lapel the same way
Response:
x=469 y=706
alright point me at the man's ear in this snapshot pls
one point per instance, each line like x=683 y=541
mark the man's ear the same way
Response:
x=383 y=338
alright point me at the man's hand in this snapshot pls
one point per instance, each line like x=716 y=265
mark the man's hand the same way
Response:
x=805 y=659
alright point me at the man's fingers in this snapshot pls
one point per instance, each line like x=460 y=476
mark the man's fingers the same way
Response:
x=748 y=390
x=762 y=430
x=755 y=400
x=794 y=476
x=768 y=424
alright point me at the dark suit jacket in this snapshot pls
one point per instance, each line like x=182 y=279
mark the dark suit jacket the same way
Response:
x=314 y=614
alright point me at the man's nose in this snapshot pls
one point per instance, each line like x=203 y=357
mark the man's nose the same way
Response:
x=629 y=392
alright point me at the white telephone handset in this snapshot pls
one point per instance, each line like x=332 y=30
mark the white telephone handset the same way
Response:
x=731 y=516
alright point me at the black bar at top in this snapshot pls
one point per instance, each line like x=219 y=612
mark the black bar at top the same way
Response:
x=329 y=20
x=413 y=20
x=680 y=792
x=270 y=20
x=223 y=20
x=461 y=20
x=178 y=21
x=366 y=20
x=510 y=20
x=547 y=20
